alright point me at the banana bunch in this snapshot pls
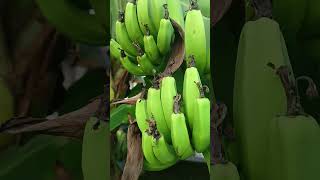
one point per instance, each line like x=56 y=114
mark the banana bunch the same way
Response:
x=144 y=34
x=169 y=132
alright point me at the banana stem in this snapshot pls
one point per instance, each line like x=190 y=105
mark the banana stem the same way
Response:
x=176 y=105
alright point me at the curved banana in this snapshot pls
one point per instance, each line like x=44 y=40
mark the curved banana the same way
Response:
x=195 y=37
x=73 y=22
x=141 y=114
x=146 y=65
x=165 y=33
x=144 y=17
x=207 y=25
x=131 y=22
x=154 y=109
x=150 y=47
x=147 y=143
x=201 y=125
x=115 y=50
x=130 y=66
x=168 y=92
x=163 y=151
x=122 y=36
x=157 y=12
x=176 y=12
x=191 y=92
x=180 y=136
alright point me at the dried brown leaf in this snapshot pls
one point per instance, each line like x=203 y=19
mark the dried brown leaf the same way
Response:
x=218 y=9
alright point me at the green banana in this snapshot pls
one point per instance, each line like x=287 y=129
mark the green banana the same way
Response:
x=73 y=22
x=201 y=125
x=146 y=65
x=294 y=148
x=154 y=109
x=207 y=27
x=258 y=93
x=147 y=148
x=195 y=37
x=180 y=136
x=132 y=24
x=144 y=17
x=150 y=47
x=191 y=92
x=142 y=115
x=227 y=171
x=165 y=33
x=122 y=36
x=163 y=151
x=114 y=49
x=157 y=167
x=168 y=92
x=130 y=66
x=157 y=12
x=176 y=12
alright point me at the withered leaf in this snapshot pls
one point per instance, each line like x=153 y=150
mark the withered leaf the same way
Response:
x=218 y=9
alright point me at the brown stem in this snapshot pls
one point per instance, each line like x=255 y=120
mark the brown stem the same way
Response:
x=193 y=4
x=192 y=61
x=166 y=11
x=263 y=8
x=218 y=114
x=121 y=16
x=147 y=29
x=311 y=91
x=176 y=105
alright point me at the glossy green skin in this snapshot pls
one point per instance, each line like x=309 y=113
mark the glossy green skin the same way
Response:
x=180 y=137
x=144 y=17
x=96 y=151
x=151 y=49
x=132 y=24
x=147 y=148
x=156 y=6
x=142 y=115
x=294 y=146
x=168 y=92
x=226 y=171
x=124 y=40
x=115 y=49
x=195 y=39
x=190 y=93
x=146 y=65
x=131 y=67
x=176 y=12
x=165 y=35
x=201 y=125
x=163 y=151
x=154 y=109
x=258 y=93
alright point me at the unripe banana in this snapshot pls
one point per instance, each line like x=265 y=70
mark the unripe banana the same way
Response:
x=176 y=12
x=168 y=92
x=132 y=24
x=190 y=92
x=150 y=47
x=258 y=93
x=163 y=151
x=115 y=50
x=156 y=6
x=180 y=136
x=144 y=61
x=195 y=38
x=165 y=34
x=147 y=143
x=154 y=109
x=144 y=17
x=207 y=25
x=141 y=114
x=122 y=36
x=130 y=66
x=201 y=125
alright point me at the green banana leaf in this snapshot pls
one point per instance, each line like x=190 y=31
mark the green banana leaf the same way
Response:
x=119 y=115
x=23 y=161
